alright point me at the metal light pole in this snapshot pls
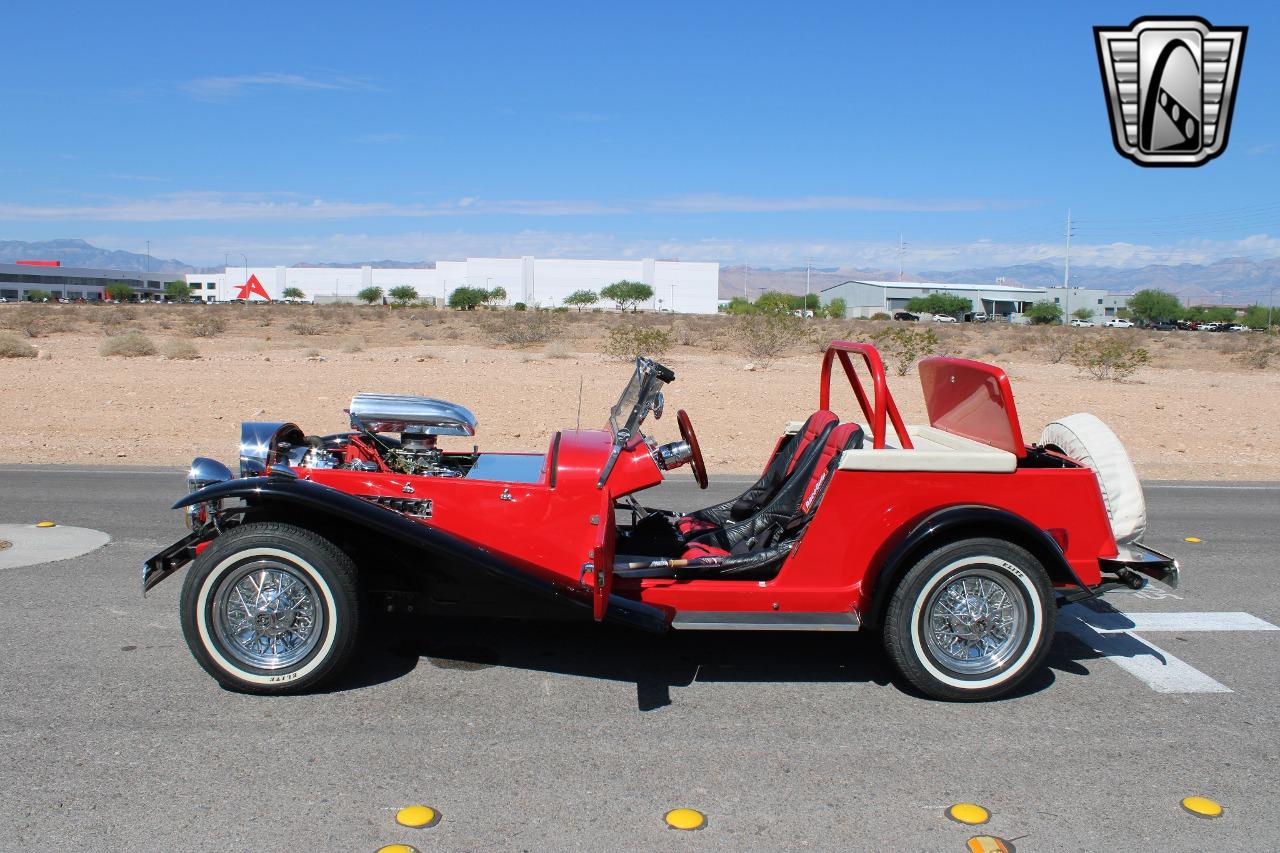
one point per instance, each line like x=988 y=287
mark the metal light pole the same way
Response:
x=672 y=303
x=1271 y=298
x=808 y=267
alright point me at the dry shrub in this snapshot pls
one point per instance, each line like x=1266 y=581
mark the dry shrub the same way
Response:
x=556 y=349
x=353 y=345
x=31 y=320
x=686 y=336
x=179 y=349
x=1057 y=344
x=902 y=346
x=334 y=314
x=11 y=347
x=521 y=328
x=1109 y=357
x=112 y=320
x=307 y=327
x=1229 y=343
x=766 y=337
x=1260 y=351
x=206 y=324
x=129 y=345
x=627 y=342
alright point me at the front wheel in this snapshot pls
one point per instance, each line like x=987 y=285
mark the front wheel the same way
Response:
x=971 y=620
x=271 y=608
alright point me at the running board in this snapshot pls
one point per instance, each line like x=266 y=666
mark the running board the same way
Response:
x=764 y=620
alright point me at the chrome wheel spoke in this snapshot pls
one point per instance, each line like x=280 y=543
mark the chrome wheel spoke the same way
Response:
x=265 y=614
x=974 y=621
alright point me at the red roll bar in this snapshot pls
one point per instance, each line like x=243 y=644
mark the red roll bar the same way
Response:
x=883 y=403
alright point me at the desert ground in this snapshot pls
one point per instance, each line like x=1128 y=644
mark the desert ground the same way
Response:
x=1202 y=409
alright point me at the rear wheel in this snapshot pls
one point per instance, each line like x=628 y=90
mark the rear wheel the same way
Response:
x=271 y=608
x=971 y=620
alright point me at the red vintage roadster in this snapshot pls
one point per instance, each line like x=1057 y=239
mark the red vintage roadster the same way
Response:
x=955 y=541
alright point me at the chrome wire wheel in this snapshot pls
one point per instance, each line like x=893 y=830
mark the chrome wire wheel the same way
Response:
x=975 y=621
x=267 y=614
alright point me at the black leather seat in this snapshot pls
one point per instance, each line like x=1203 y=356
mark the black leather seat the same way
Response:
x=785 y=515
x=781 y=467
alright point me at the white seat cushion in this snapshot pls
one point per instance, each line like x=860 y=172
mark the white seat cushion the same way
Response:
x=934 y=450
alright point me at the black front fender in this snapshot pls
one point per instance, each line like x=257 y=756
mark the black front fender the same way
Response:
x=956 y=522
x=383 y=522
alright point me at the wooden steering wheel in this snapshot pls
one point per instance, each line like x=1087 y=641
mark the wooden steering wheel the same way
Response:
x=691 y=438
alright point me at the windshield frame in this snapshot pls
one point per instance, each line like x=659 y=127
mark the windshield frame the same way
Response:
x=641 y=395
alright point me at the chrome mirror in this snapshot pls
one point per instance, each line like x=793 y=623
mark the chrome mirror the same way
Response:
x=658 y=403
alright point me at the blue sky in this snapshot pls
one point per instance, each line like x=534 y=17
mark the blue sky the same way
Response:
x=767 y=133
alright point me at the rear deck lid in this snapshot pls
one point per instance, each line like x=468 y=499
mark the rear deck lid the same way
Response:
x=972 y=399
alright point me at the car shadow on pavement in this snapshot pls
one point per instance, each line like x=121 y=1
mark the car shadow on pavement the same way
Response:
x=654 y=664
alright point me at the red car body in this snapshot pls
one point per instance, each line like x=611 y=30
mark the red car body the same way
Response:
x=883 y=507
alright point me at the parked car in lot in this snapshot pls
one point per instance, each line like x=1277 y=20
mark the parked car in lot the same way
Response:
x=1118 y=323
x=1081 y=324
x=1239 y=327
x=943 y=318
x=1163 y=326
x=953 y=541
x=905 y=315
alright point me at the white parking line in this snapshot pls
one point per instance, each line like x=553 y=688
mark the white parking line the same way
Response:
x=1224 y=487
x=1112 y=634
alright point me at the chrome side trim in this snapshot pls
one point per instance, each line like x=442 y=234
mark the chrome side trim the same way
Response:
x=766 y=620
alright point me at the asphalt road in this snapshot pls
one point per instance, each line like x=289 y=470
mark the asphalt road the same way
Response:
x=546 y=736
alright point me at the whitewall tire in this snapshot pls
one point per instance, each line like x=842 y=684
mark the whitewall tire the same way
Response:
x=271 y=608
x=970 y=620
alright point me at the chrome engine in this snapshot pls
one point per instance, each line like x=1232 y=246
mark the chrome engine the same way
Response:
x=420 y=421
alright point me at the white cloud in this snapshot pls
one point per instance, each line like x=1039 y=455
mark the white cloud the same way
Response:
x=211 y=206
x=446 y=245
x=221 y=88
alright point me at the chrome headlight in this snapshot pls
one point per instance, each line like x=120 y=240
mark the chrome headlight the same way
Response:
x=203 y=472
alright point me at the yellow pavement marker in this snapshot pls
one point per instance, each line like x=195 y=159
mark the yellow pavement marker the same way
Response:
x=1202 y=807
x=686 y=819
x=417 y=817
x=968 y=813
x=46 y=524
x=988 y=844
x=397 y=848
x=1194 y=540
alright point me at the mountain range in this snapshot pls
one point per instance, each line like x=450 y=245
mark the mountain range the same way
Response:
x=1236 y=281
x=78 y=253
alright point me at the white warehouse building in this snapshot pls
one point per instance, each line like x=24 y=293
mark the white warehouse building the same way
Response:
x=686 y=287
x=867 y=298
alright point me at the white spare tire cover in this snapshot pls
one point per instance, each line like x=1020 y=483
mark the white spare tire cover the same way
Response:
x=1091 y=442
